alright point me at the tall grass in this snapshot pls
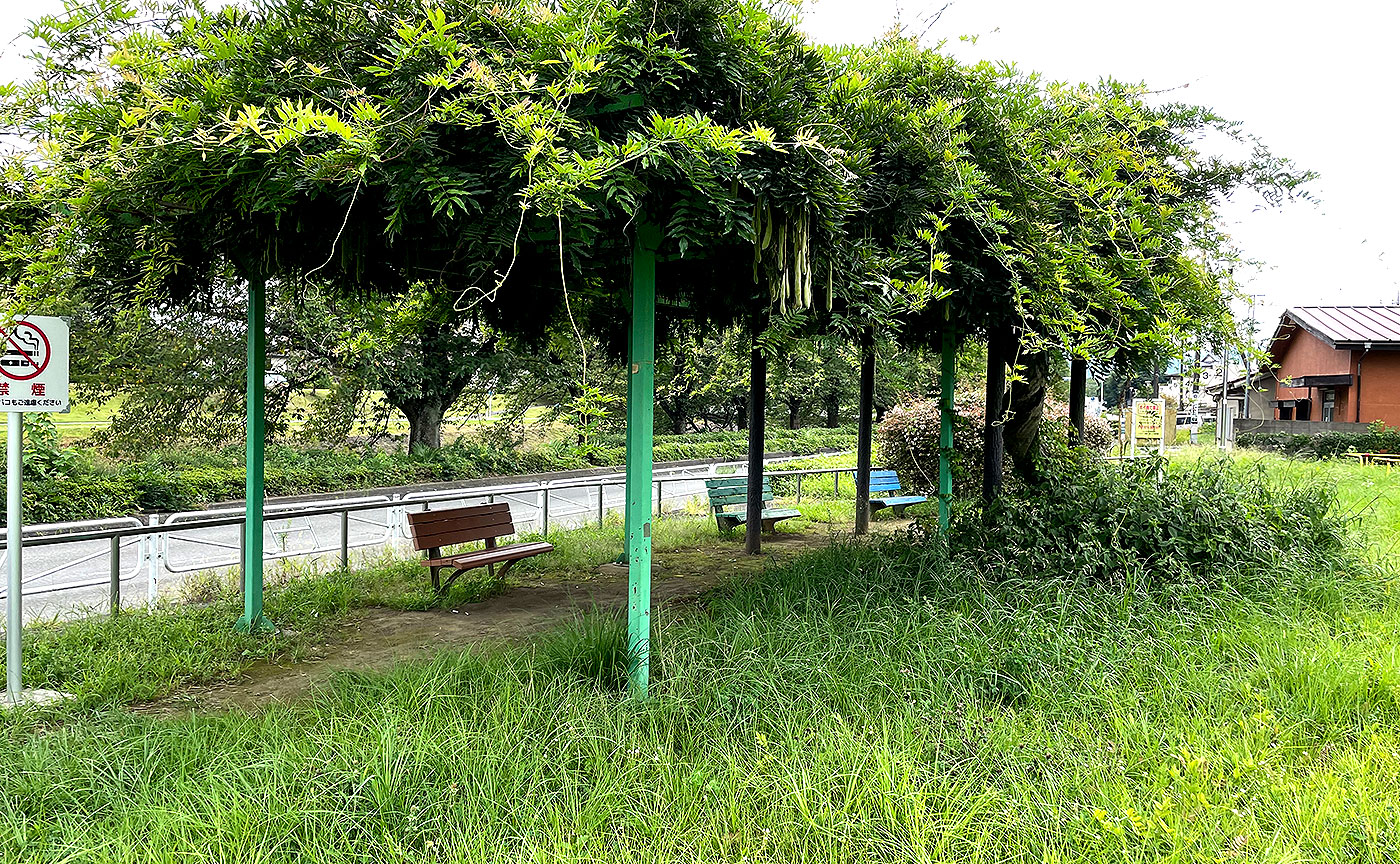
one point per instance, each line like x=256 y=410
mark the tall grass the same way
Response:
x=865 y=702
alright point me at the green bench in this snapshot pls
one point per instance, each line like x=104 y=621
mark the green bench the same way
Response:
x=728 y=492
x=886 y=482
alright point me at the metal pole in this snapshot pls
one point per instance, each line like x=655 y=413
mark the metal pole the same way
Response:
x=602 y=504
x=345 y=540
x=242 y=556
x=947 y=384
x=799 y=488
x=114 y=587
x=14 y=544
x=1078 y=377
x=863 y=432
x=758 y=400
x=544 y=511
x=153 y=565
x=999 y=349
x=641 y=406
x=253 y=619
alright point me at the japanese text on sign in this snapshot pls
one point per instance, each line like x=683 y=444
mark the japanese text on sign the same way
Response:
x=34 y=365
x=1147 y=419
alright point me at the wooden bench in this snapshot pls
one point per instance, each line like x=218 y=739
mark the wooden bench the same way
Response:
x=887 y=482
x=434 y=530
x=728 y=492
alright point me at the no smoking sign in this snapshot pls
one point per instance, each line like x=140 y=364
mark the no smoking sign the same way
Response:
x=34 y=365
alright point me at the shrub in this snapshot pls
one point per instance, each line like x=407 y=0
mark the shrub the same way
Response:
x=908 y=441
x=1378 y=438
x=69 y=486
x=1152 y=523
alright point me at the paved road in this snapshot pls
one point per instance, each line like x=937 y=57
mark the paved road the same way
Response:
x=72 y=579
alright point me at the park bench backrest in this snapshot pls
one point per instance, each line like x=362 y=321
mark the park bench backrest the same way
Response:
x=436 y=529
x=883 y=481
x=730 y=491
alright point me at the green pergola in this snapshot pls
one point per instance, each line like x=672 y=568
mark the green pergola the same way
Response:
x=641 y=404
x=641 y=408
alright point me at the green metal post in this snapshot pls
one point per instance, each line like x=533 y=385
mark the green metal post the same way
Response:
x=946 y=385
x=253 y=619
x=641 y=407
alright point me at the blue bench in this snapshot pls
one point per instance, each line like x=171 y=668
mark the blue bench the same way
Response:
x=886 y=483
x=727 y=492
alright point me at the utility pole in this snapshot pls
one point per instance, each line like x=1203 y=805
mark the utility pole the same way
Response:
x=1248 y=378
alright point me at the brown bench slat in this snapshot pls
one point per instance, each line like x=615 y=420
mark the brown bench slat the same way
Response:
x=427 y=518
x=500 y=554
x=450 y=534
x=460 y=525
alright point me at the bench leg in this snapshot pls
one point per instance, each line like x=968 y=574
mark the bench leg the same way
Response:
x=450 y=579
x=769 y=525
x=899 y=510
x=437 y=580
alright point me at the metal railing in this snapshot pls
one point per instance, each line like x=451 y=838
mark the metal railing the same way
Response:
x=161 y=544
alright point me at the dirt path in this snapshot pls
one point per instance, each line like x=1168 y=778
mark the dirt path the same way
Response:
x=377 y=639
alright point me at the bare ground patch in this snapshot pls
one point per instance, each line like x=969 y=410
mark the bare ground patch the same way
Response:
x=377 y=639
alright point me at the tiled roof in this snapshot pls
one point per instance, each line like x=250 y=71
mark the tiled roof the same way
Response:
x=1349 y=326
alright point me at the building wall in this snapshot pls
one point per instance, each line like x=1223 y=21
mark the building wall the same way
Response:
x=1295 y=427
x=1261 y=397
x=1305 y=354
x=1380 y=388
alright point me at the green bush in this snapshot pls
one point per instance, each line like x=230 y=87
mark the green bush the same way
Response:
x=1150 y=523
x=908 y=441
x=1378 y=438
x=185 y=479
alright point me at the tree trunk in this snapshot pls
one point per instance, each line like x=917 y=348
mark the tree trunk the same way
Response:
x=1027 y=411
x=424 y=423
x=758 y=392
x=864 y=423
x=675 y=417
x=994 y=447
x=1078 y=380
x=833 y=411
x=741 y=413
x=794 y=414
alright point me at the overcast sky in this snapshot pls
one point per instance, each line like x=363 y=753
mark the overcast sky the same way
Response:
x=1315 y=81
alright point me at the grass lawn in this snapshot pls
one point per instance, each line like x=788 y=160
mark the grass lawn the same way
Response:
x=862 y=702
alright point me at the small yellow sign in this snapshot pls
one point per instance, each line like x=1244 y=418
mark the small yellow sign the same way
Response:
x=1149 y=419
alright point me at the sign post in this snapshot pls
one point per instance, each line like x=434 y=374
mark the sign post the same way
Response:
x=33 y=379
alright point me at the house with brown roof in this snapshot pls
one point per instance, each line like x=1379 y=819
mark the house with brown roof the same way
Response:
x=1338 y=364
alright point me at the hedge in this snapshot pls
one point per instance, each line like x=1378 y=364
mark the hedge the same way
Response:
x=1378 y=438
x=192 y=479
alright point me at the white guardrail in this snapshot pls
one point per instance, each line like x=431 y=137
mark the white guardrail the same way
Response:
x=84 y=567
